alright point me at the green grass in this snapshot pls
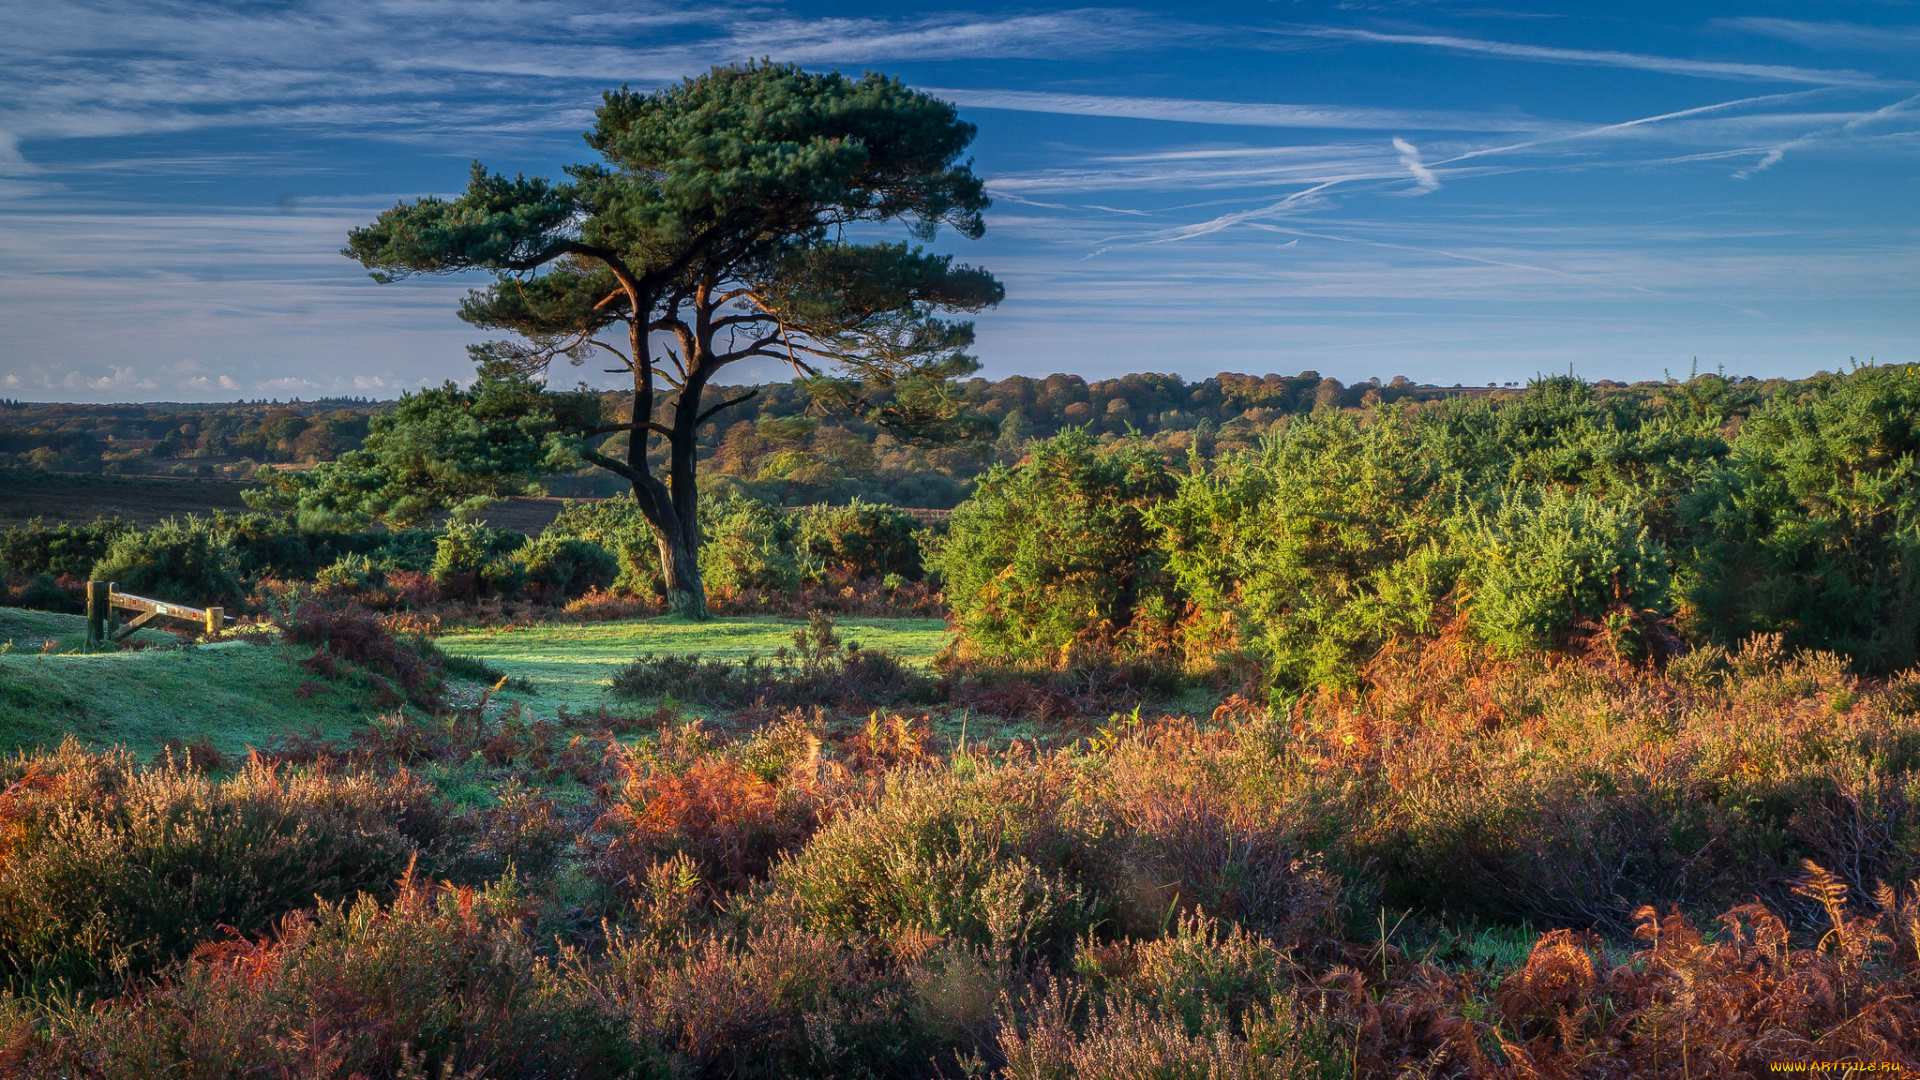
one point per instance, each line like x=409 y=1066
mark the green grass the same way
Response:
x=26 y=630
x=237 y=693
x=571 y=664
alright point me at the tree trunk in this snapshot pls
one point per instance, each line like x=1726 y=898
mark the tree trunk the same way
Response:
x=680 y=566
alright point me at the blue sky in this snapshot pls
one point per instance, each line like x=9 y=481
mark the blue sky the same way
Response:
x=1457 y=192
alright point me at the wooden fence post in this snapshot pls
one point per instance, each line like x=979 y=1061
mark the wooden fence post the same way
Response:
x=216 y=620
x=97 y=611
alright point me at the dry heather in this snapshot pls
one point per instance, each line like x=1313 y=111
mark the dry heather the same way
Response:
x=1717 y=860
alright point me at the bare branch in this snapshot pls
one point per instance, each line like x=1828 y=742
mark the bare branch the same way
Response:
x=748 y=396
x=615 y=466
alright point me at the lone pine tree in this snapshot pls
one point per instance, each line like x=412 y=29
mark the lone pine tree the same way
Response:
x=714 y=230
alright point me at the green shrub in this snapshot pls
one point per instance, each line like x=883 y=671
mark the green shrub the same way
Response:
x=186 y=561
x=618 y=526
x=1564 y=431
x=72 y=550
x=863 y=539
x=109 y=868
x=1059 y=550
x=1319 y=549
x=748 y=544
x=567 y=567
x=44 y=593
x=1544 y=559
x=350 y=575
x=469 y=556
x=1812 y=528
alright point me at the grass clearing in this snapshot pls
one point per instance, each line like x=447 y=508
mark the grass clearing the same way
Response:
x=570 y=664
x=235 y=693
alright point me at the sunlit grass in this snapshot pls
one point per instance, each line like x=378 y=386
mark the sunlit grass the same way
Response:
x=571 y=664
x=236 y=694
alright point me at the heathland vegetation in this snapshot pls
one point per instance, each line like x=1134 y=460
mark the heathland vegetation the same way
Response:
x=1563 y=732
x=1275 y=728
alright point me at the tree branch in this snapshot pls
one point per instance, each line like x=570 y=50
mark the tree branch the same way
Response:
x=748 y=396
x=606 y=429
x=617 y=467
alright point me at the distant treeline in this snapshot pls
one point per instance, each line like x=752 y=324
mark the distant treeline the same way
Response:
x=780 y=446
x=175 y=438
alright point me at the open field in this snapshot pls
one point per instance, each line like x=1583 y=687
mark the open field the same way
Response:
x=58 y=498
x=570 y=664
x=239 y=694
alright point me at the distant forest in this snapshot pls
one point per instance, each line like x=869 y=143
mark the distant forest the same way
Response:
x=780 y=446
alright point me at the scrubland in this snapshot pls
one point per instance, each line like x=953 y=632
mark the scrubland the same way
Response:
x=1573 y=735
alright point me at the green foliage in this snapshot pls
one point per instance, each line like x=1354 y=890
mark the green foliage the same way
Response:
x=440 y=449
x=1537 y=563
x=468 y=556
x=1058 y=549
x=44 y=593
x=618 y=526
x=564 y=566
x=1564 y=431
x=37 y=548
x=862 y=539
x=1812 y=528
x=1319 y=549
x=749 y=544
x=185 y=561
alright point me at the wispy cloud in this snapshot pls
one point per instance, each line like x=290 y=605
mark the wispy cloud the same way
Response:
x=1712 y=69
x=1830 y=35
x=87 y=68
x=1237 y=113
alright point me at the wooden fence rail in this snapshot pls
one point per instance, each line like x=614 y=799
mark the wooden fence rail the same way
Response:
x=104 y=604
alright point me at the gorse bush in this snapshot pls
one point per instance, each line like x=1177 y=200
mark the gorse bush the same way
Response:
x=616 y=525
x=1059 y=550
x=863 y=540
x=1812 y=527
x=1317 y=551
x=60 y=549
x=185 y=561
x=749 y=544
x=565 y=567
x=1544 y=518
x=1536 y=564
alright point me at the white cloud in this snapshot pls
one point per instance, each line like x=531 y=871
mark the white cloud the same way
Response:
x=1237 y=113
x=122 y=378
x=1410 y=157
x=1714 y=69
x=1830 y=35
